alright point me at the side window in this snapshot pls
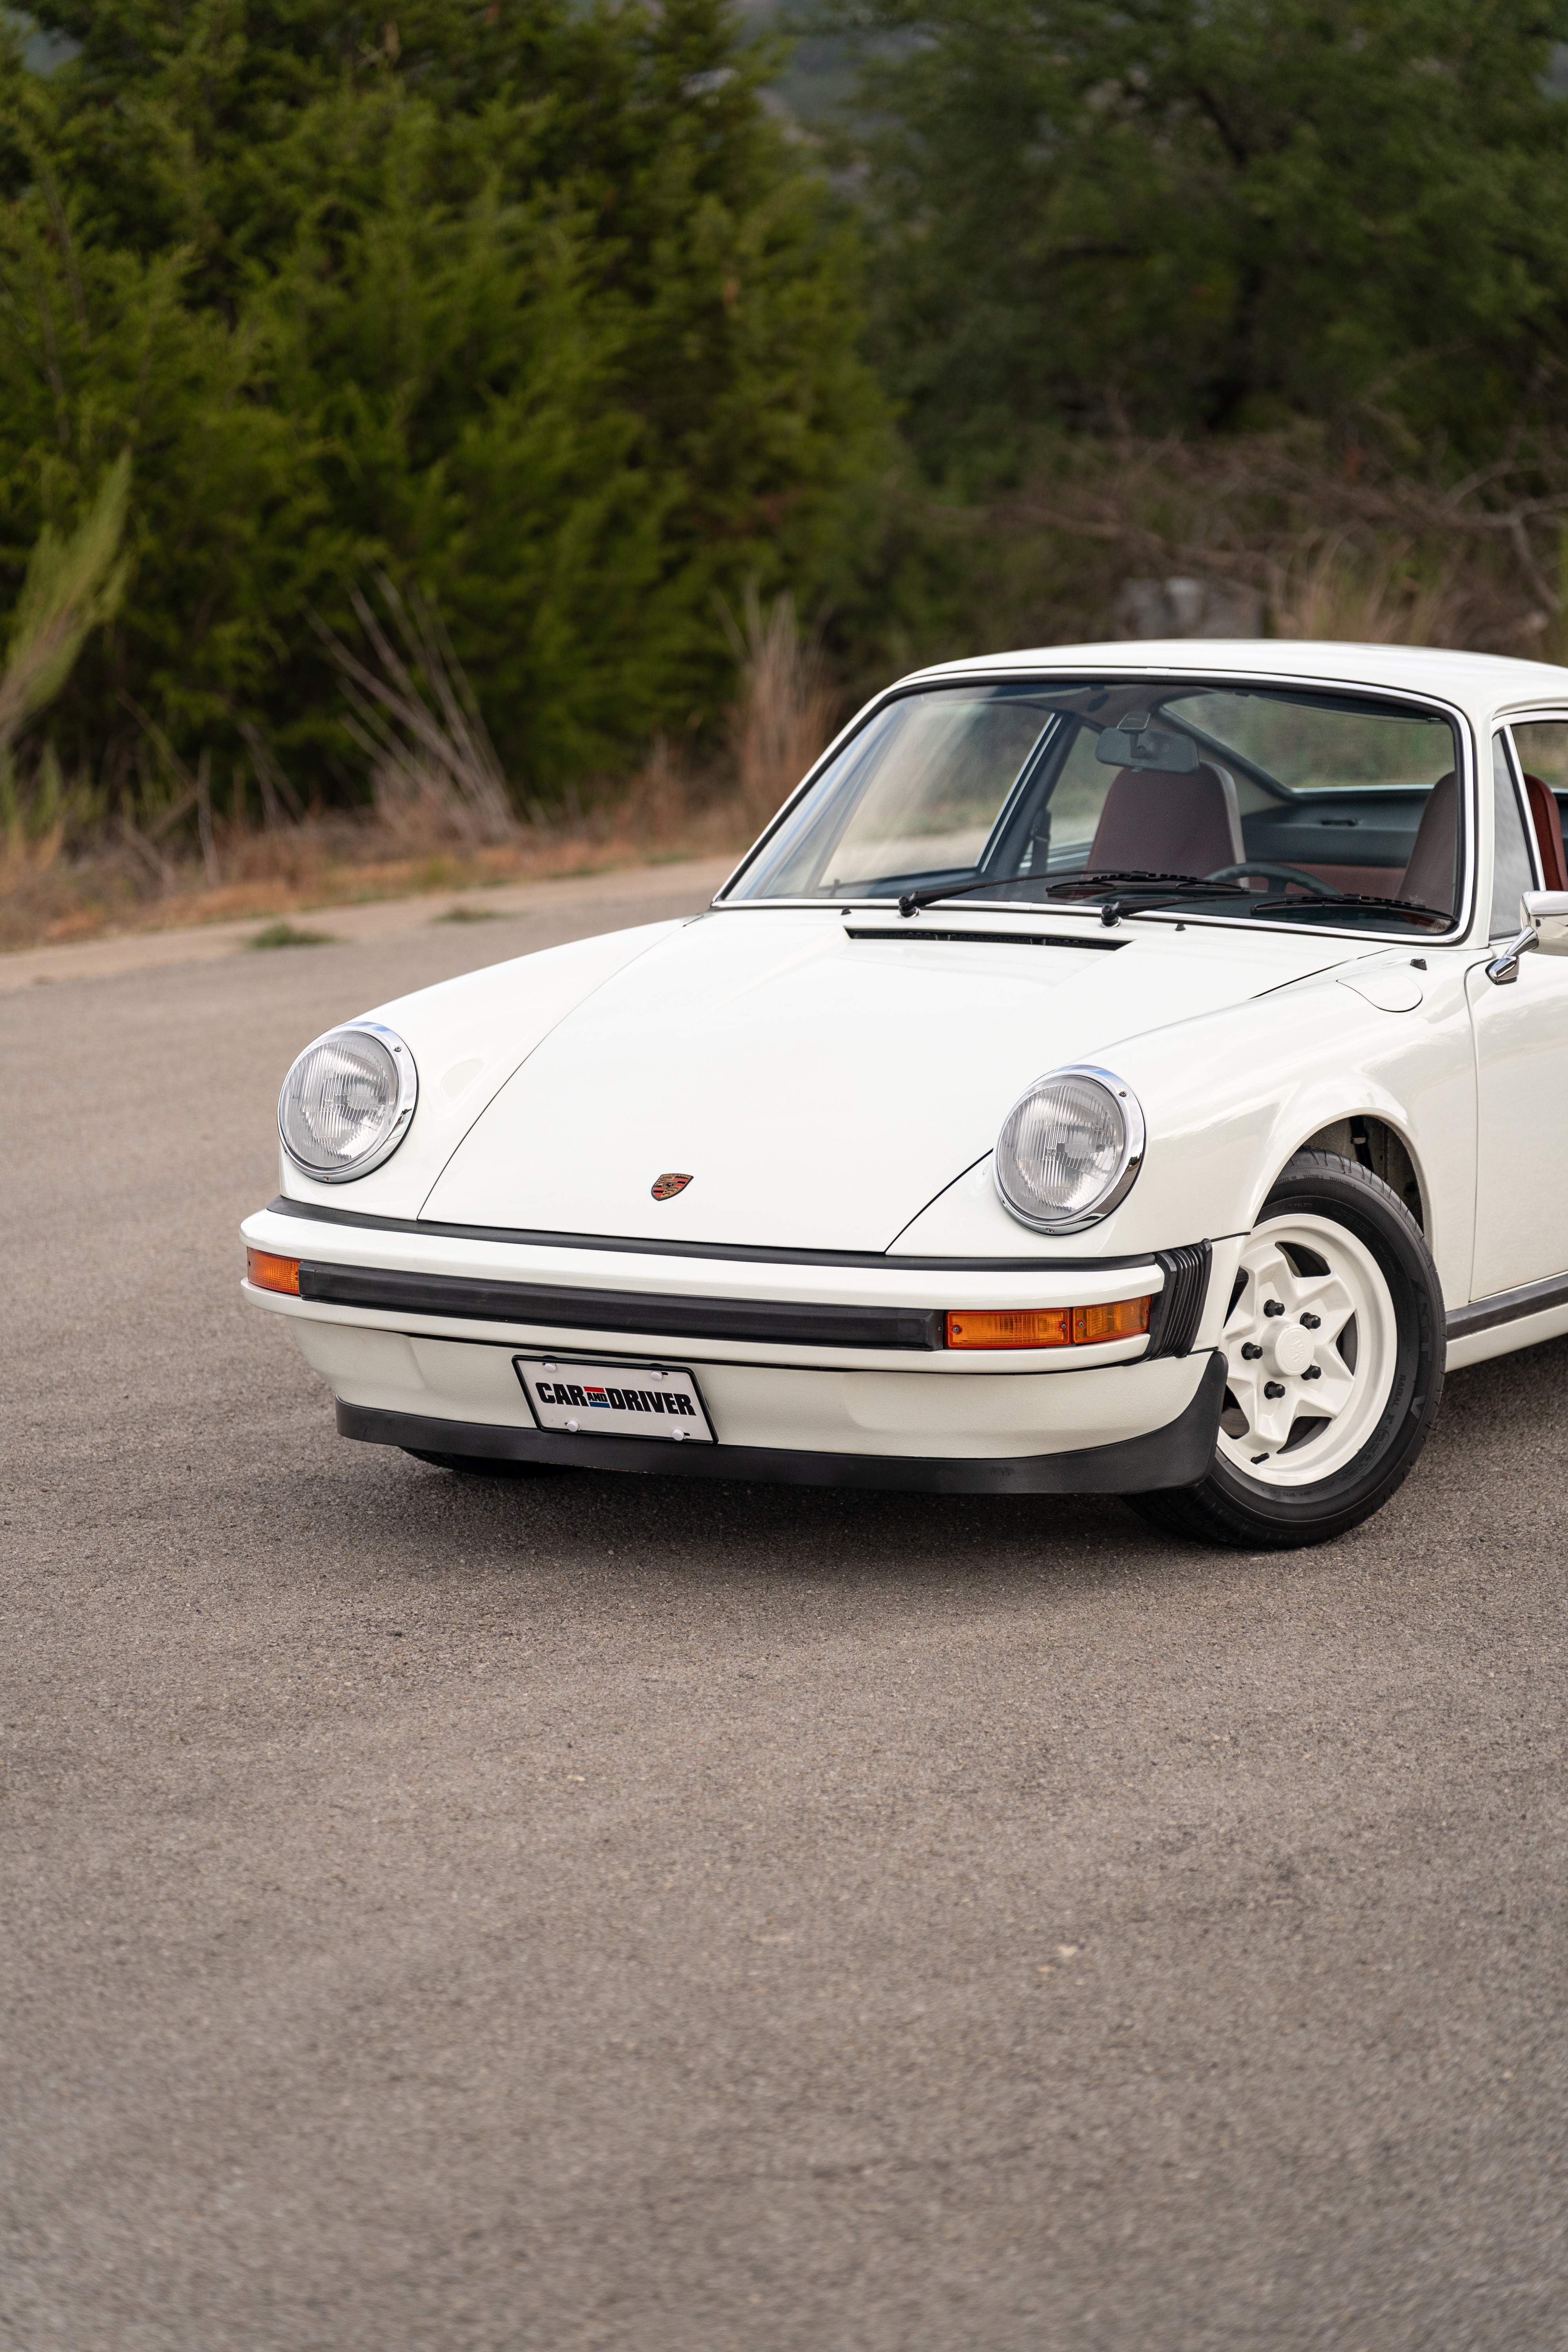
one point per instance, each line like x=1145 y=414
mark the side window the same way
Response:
x=1542 y=748
x=1512 y=871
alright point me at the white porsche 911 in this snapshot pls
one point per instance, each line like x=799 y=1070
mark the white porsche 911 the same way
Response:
x=1119 y=1069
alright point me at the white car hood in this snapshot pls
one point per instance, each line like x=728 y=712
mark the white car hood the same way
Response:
x=819 y=1090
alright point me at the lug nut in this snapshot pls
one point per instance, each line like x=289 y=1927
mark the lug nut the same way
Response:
x=1310 y=1322
x=1273 y=1388
x=1250 y=1351
x=1314 y=1372
x=1272 y=1306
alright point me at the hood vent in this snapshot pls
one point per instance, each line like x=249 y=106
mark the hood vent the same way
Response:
x=993 y=939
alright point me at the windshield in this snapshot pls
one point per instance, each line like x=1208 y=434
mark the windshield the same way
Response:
x=1286 y=806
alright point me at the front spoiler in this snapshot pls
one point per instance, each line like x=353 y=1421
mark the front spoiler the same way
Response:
x=1177 y=1455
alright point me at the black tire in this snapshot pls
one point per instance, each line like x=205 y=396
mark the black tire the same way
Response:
x=484 y=1465
x=1229 y=1506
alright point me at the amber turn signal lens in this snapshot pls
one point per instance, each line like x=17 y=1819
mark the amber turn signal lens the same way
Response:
x=1042 y=1327
x=1124 y=1318
x=1050 y=1327
x=265 y=1272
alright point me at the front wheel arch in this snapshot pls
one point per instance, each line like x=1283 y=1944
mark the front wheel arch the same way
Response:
x=1374 y=1143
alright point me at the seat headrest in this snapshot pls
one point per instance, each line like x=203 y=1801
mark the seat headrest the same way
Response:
x=1169 y=822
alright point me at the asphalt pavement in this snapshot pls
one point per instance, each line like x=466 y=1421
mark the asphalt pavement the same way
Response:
x=610 y=1912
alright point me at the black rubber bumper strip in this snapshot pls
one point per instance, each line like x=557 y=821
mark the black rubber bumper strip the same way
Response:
x=1177 y=1455
x=1508 y=1306
x=1178 y=1309
x=553 y=1304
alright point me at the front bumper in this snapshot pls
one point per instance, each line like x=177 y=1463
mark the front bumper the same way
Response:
x=822 y=1374
x=1177 y=1455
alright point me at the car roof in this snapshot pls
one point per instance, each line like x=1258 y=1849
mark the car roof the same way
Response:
x=1475 y=679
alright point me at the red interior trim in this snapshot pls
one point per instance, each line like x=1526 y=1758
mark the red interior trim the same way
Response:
x=1547 y=819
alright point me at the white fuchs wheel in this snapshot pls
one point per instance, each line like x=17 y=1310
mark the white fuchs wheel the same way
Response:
x=1311 y=1343
x=1333 y=1348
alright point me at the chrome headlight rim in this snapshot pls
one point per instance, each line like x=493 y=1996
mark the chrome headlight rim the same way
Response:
x=407 y=1102
x=1134 y=1137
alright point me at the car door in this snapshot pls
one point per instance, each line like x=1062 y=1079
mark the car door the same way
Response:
x=1520 y=1033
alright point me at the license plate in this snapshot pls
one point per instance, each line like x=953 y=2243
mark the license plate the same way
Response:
x=614 y=1400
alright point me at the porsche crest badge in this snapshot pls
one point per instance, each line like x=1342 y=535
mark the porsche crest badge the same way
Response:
x=667 y=1187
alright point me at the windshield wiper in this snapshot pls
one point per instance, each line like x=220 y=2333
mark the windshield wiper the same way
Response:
x=1085 y=885
x=1281 y=904
x=1139 y=883
x=911 y=902
x=1149 y=890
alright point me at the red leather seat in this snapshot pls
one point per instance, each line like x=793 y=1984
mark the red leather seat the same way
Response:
x=1157 y=823
x=1547 y=819
x=1429 y=877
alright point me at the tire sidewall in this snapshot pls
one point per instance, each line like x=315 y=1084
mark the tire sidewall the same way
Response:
x=1319 y=1184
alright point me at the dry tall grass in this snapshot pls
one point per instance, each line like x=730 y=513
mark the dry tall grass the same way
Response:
x=786 y=712
x=325 y=861
x=434 y=771
x=1380 y=596
x=441 y=818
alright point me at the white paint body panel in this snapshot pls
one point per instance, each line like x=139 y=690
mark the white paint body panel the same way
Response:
x=833 y=1095
x=467 y=1035
x=819 y=1088
x=1521 y=1076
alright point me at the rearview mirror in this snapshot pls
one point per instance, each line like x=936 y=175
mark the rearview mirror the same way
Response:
x=1133 y=744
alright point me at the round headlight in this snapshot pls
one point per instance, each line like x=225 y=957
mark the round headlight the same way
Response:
x=347 y=1102
x=1069 y=1149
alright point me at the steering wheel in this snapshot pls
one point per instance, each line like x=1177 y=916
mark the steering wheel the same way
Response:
x=1319 y=888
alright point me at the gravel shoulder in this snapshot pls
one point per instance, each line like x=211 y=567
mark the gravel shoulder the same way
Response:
x=595 y=901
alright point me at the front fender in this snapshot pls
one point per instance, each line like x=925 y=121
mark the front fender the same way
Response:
x=1228 y=1096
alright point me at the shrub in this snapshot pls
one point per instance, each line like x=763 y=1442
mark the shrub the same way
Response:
x=532 y=307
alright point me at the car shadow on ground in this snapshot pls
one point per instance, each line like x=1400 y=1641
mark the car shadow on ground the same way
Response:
x=1497 y=1421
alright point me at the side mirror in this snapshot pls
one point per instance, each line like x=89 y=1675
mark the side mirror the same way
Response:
x=1545 y=912
x=1543 y=924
